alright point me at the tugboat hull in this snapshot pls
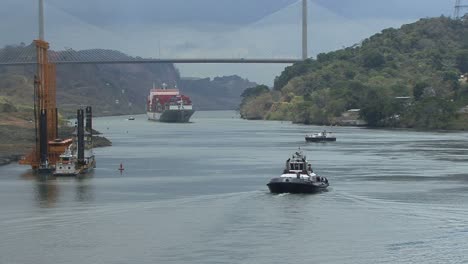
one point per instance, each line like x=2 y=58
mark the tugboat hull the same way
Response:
x=290 y=185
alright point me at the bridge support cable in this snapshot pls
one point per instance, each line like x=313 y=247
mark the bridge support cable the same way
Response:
x=458 y=8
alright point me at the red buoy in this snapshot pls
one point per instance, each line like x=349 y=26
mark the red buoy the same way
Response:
x=121 y=168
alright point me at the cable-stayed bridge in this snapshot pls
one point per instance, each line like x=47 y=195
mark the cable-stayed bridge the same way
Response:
x=26 y=55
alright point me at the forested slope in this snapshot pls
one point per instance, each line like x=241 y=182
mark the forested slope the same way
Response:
x=407 y=77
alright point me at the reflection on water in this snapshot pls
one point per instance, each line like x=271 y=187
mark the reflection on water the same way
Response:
x=46 y=192
x=47 y=188
x=84 y=190
x=28 y=175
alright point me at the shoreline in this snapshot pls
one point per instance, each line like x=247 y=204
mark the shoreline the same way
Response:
x=454 y=130
x=9 y=158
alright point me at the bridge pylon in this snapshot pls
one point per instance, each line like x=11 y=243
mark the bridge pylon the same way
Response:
x=304 y=29
x=459 y=6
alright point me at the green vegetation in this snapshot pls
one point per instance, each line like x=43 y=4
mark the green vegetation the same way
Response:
x=219 y=93
x=113 y=89
x=407 y=77
x=250 y=106
x=109 y=89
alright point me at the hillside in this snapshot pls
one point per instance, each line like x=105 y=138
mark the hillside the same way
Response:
x=220 y=93
x=407 y=77
x=110 y=88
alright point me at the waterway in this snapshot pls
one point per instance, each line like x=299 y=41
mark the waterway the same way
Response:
x=196 y=193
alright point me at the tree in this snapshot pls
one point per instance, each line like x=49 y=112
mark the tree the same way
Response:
x=255 y=91
x=373 y=59
x=256 y=101
x=418 y=90
x=462 y=61
x=432 y=113
x=380 y=109
x=292 y=71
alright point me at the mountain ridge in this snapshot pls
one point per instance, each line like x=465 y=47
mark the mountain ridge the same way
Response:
x=112 y=89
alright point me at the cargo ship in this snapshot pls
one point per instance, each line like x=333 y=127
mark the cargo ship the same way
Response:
x=168 y=105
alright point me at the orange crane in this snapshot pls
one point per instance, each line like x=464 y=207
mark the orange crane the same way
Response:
x=48 y=148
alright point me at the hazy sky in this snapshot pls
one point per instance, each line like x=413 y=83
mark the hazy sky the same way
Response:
x=211 y=28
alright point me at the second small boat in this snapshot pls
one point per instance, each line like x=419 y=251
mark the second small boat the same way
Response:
x=321 y=137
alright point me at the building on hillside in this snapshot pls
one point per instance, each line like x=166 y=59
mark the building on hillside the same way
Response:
x=463 y=110
x=350 y=118
x=404 y=100
x=463 y=78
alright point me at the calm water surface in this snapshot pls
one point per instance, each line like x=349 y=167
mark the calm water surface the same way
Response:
x=196 y=193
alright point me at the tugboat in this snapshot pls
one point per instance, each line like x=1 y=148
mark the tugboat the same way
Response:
x=321 y=137
x=298 y=177
x=79 y=157
x=66 y=164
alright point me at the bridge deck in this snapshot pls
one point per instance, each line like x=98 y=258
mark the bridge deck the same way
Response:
x=127 y=61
